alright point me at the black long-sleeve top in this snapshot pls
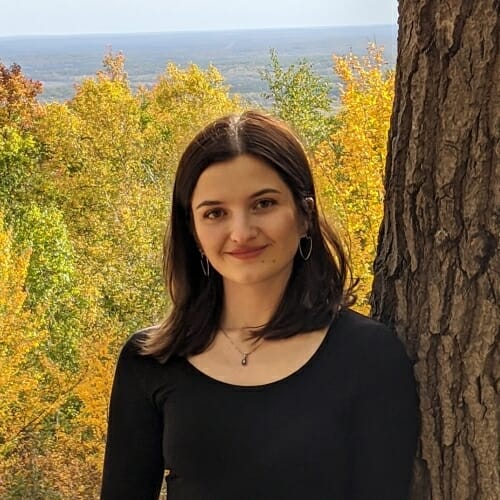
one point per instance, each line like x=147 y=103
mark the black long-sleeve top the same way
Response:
x=342 y=427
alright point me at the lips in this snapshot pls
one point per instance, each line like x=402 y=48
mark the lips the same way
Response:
x=247 y=253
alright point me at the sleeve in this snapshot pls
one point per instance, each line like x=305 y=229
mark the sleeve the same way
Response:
x=133 y=462
x=385 y=422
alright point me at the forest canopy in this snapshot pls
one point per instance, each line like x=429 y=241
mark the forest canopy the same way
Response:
x=84 y=199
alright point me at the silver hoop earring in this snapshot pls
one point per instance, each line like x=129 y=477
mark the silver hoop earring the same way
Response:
x=205 y=264
x=305 y=253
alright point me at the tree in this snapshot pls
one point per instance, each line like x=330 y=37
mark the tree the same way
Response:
x=19 y=153
x=18 y=104
x=349 y=166
x=31 y=385
x=437 y=265
x=182 y=101
x=301 y=98
x=19 y=150
x=94 y=158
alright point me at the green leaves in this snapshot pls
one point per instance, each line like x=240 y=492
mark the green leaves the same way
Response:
x=301 y=98
x=19 y=155
x=85 y=188
x=51 y=269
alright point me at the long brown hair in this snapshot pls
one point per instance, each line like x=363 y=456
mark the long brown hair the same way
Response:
x=316 y=288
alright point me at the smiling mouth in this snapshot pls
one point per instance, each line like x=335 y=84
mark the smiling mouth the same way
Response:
x=247 y=253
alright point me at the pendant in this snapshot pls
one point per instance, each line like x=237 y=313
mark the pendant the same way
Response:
x=244 y=359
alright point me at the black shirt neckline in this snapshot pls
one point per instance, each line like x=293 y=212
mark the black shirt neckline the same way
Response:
x=287 y=378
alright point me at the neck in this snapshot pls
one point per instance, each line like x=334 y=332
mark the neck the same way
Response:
x=249 y=306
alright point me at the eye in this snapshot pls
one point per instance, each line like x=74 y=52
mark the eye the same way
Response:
x=266 y=203
x=215 y=213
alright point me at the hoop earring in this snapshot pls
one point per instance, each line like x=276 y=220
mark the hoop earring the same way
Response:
x=205 y=264
x=306 y=253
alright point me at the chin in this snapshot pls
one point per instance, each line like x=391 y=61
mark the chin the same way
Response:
x=245 y=280
x=257 y=278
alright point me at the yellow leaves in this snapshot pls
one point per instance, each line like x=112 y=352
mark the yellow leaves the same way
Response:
x=32 y=386
x=107 y=165
x=350 y=166
x=180 y=91
x=181 y=102
x=108 y=155
x=21 y=397
x=114 y=68
x=58 y=129
x=15 y=323
x=93 y=391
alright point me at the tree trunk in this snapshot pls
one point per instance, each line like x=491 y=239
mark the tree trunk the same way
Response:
x=437 y=267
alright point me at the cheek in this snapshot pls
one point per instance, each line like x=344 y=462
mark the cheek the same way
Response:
x=288 y=229
x=207 y=237
x=295 y=223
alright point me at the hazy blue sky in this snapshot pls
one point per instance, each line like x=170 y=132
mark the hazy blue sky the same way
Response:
x=27 y=17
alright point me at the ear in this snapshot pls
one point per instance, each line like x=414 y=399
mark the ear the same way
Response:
x=308 y=206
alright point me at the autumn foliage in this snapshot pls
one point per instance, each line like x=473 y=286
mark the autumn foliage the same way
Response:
x=84 y=193
x=349 y=166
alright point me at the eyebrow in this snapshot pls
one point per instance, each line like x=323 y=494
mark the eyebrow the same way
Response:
x=211 y=203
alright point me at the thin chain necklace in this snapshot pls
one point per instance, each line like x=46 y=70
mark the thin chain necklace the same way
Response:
x=244 y=359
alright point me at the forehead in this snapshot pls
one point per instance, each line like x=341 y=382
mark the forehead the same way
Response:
x=240 y=177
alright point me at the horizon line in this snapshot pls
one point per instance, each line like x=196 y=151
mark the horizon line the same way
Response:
x=209 y=30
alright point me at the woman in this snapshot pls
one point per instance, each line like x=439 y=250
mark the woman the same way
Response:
x=261 y=384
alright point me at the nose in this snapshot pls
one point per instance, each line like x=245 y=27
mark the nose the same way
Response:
x=242 y=228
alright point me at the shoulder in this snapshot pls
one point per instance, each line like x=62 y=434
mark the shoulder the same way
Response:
x=134 y=342
x=361 y=328
x=368 y=340
x=131 y=355
x=374 y=362
x=141 y=373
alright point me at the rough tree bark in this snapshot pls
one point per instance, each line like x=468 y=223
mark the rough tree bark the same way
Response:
x=437 y=268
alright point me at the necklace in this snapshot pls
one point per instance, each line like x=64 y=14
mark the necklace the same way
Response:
x=244 y=359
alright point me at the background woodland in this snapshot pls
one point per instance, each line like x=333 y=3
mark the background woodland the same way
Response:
x=84 y=200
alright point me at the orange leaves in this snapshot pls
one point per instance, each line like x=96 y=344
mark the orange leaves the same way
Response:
x=18 y=94
x=106 y=170
x=108 y=156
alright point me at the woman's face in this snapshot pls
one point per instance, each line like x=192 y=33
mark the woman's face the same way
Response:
x=246 y=221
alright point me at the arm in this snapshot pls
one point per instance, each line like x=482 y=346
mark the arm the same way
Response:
x=385 y=422
x=133 y=463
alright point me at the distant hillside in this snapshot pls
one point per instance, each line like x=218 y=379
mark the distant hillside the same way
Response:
x=60 y=61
